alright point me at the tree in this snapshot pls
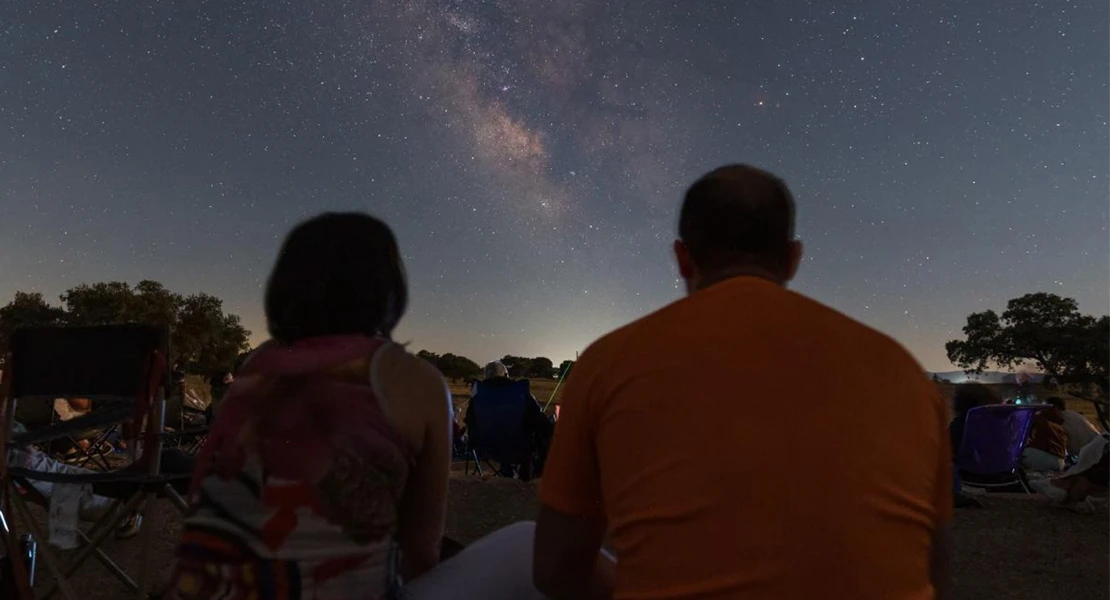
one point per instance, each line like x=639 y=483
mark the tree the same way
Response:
x=202 y=336
x=540 y=367
x=99 y=304
x=452 y=366
x=206 y=339
x=458 y=367
x=565 y=367
x=26 y=310
x=1046 y=329
x=518 y=366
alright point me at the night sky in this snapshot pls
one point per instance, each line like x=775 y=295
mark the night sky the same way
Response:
x=531 y=154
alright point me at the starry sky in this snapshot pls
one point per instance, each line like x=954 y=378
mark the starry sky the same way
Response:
x=531 y=154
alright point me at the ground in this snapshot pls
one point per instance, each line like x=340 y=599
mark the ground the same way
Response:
x=1016 y=547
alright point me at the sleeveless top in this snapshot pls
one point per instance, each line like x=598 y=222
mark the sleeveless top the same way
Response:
x=296 y=492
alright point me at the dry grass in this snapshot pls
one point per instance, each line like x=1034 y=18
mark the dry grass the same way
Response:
x=1015 y=548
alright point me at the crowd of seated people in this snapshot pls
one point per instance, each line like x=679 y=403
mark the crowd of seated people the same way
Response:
x=326 y=471
x=325 y=474
x=1056 y=437
x=1088 y=477
x=1079 y=430
x=1056 y=434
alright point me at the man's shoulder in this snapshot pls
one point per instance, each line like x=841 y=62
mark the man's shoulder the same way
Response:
x=867 y=345
x=605 y=348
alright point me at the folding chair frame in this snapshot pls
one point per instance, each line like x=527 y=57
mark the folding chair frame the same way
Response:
x=494 y=465
x=149 y=410
x=1016 y=476
x=93 y=454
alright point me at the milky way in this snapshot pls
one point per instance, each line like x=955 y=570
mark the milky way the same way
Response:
x=531 y=155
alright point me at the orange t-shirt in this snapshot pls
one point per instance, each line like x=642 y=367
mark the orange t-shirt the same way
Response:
x=747 y=442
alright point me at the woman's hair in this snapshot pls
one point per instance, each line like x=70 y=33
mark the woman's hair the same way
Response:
x=972 y=395
x=337 y=273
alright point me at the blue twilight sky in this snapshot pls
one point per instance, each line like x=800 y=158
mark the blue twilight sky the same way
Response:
x=531 y=154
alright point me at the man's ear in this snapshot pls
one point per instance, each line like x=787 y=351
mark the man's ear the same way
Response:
x=682 y=257
x=796 y=252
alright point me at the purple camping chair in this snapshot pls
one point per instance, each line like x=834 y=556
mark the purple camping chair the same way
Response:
x=994 y=438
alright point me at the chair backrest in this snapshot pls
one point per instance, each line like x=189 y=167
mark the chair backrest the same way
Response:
x=994 y=438
x=34 y=412
x=498 y=415
x=105 y=362
x=119 y=367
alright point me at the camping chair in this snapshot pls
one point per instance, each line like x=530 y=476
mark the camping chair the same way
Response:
x=123 y=368
x=188 y=421
x=40 y=413
x=497 y=430
x=994 y=438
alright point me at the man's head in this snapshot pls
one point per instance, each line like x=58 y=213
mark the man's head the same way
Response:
x=1057 y=402
x=737 y=220
x=494 y=369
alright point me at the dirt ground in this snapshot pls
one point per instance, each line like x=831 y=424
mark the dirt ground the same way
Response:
x=1016 y=547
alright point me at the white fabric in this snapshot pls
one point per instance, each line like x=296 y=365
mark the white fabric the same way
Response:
x=65 y=410
x=1089 y=456
x=496 y=567
x=92 y=507
x=1039 y=460
x=1080 y=431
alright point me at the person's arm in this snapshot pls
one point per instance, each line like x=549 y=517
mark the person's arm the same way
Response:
x=468 y=421
x=423 y=511
x=567 y=562
x=571 y=522
x=534 y=415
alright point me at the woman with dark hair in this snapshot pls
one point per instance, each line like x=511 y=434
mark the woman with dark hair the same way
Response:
x=325 y=474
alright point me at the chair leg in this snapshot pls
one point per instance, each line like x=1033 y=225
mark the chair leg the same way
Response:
x=148 y=528
x=10 y=545
x=109 y=564
x=477 y=463
x=176 y=498
x=97 y=534
x=52 y=560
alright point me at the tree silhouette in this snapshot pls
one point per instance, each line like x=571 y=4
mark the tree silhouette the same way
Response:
x=203 y=338
x=26 y=310
x=1042 y=328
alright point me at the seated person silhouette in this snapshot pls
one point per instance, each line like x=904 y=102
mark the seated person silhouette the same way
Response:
x=1080 y=431
x=1086 y=478
x=506 y=423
